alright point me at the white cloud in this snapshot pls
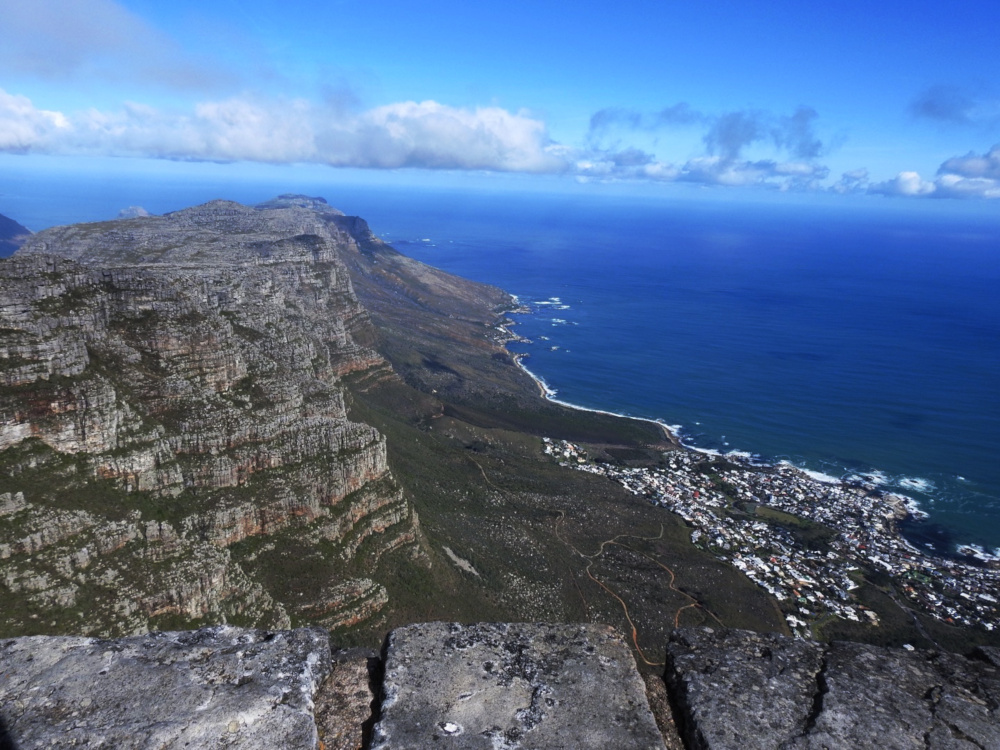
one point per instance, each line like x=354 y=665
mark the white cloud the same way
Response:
x=715 y=170
x=426 y=135
x=705 y=170
x=969 y=176
x=909 y=184
x=432 y=135
x=956 y=186
x=24 y=128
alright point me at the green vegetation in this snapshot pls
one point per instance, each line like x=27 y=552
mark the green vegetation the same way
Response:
x=546 y=543
x=811 y=535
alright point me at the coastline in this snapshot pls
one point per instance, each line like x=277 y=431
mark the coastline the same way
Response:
x=549 y=394
x=909 y=509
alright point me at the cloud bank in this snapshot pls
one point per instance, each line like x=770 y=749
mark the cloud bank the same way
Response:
x=727 y=136
x=970 y=176
x=408 y=134
x=430 y=135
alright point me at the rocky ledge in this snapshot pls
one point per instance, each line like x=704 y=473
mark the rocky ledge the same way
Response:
x=215 y=687
x=507 y=686
x=512 y=686
x=736 y=689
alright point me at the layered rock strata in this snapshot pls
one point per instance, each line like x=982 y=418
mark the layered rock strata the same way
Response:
x=169 y=393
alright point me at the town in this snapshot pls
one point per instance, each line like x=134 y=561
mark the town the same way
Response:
x=805 y=541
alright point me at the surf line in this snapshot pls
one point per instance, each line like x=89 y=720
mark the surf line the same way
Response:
x=549 y=394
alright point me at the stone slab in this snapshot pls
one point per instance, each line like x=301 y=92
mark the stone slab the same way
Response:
x=736 y=689
x=218 y=687
x=739 y=689
x=512 y=686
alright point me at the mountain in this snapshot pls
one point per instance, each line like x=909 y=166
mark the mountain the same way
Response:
x=268 y=416
x=12 y=236
x=173 y=417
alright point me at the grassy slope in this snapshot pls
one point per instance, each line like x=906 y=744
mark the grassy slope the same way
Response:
x=464 y=429
x=548 y=543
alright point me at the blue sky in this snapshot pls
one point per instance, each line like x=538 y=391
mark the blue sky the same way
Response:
x=895 y=98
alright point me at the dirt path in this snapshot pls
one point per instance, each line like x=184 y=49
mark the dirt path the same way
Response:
x=591 y=559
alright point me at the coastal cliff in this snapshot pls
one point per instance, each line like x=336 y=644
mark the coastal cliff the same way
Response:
x=172 y=420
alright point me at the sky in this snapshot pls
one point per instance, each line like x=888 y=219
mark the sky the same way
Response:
x=899 y=99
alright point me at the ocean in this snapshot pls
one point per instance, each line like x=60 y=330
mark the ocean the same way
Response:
x=845 y=336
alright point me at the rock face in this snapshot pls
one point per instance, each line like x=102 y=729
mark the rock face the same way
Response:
x=173 y=430
x=512 y=686
x=736 y=689
x=216 y=687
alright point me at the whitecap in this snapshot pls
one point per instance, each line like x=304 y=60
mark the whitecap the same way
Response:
x=706 y=451
x=916 y=483
x=911 y=505
x=974 y=550
x=817 y=476
x=875 y=477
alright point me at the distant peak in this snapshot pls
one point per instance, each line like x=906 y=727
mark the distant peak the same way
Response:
x=294 y=200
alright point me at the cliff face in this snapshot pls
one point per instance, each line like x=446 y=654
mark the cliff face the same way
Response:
x=173 y=432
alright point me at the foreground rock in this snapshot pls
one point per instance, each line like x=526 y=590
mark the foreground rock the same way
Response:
x=216 y=687
x=736 y=689
x=512 y=686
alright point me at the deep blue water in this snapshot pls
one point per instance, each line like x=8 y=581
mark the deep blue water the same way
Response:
x=842 y=337
x=844 y=343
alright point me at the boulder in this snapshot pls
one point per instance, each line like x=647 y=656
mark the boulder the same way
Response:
x=512 y=686
x=737 y=689
x=215 y=687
